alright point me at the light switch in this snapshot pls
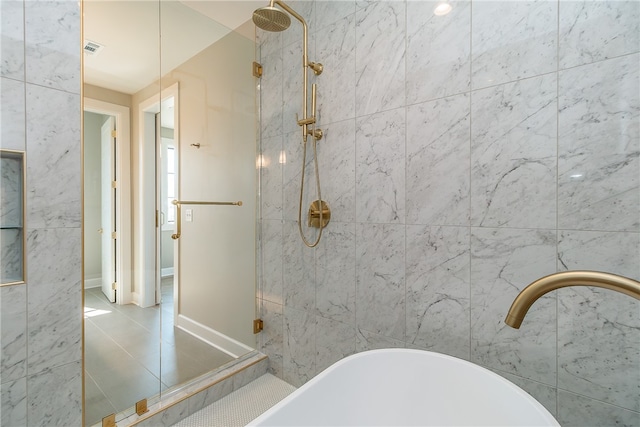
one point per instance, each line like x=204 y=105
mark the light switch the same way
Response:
x=188 y=215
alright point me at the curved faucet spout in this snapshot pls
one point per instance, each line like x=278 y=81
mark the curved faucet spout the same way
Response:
x=535 y=290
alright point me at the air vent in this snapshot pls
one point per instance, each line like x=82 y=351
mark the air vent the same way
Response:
x=92 y=48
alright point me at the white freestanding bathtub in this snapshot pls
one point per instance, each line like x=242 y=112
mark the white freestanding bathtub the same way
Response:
x=399 y=387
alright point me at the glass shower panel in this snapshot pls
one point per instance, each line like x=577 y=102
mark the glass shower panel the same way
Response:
x=208 y=127
x=121 y=75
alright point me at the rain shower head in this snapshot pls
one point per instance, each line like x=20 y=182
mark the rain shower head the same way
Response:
x=270 y=18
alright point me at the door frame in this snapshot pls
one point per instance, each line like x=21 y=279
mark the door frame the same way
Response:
x=148 y=234
x=123 y=195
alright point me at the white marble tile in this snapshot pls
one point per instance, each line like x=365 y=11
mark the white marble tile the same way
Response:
x=366 y=341
x=380 y=167
x=512 y=40
x=292 y=75
x=54 y=150
x=271 y=177
x=292 y=173
x=579 y=411
x=11 y=264
x=438 y=162
x=55 y=396
x=52 y=32
x=53 y=255
x=272 y=242
x=272 y=336
x=12 y=39
x=12 y=108
x=269 y=42
x=380 y=279
x=513 y=154
x=603 y=324
x=591 y=31
x=298 y=269
x=599 y=146
x=168 y=417
x=337 y=164
x=336 y=84
x=13 y=402
x=13 y=337
x=438 y=287
x=503 y=262
x=271 y=101
x=54 y=299
x=330 y=11
x=299 y=346
x=11 y=191
x=334 y=341
x=612 y=252
x=336 y=273
x=380 y=57
x=438 y=50
x=293 y=34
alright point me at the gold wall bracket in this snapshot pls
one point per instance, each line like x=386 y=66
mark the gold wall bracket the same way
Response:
x=258 y=326
x=141 y=407
x=109 y=421
x=257 y=69
x=314 y=214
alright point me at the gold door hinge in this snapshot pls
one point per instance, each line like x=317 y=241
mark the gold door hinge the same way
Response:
x=113 y=235
x=113 y=134
x=258 y=326
x=114 y=184
x=141 y=407
x=109 y=421
x=257 y=69
x=113 y=285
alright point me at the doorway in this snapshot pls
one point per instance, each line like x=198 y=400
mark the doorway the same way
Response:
x=107 y=200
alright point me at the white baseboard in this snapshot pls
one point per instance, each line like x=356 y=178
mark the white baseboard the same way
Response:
x=93 y=283
x=220 y=341
x=166 y=272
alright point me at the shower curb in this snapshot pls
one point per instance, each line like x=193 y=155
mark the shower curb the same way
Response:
x=200 y=393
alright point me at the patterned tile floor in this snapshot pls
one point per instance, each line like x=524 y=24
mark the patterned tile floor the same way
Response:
x=241 y=406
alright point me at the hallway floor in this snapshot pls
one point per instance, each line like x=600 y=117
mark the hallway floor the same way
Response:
x=125 y=357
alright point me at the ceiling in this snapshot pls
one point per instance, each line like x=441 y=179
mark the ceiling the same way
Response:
x=142 y=39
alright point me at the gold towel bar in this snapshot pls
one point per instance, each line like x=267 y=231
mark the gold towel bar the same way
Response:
x=179 y=203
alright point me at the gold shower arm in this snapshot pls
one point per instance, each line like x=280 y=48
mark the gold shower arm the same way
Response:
x=179 y=203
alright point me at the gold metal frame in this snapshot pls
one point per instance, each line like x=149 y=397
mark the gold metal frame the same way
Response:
x=546 y=284
x=22 y=157
x=179 y=203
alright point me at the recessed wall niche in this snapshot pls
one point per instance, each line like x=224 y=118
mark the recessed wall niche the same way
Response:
x=11 y=217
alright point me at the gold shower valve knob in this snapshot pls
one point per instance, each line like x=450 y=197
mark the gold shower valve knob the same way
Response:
x=314 y=214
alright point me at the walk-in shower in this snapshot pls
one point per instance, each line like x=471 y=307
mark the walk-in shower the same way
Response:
x=271 y=18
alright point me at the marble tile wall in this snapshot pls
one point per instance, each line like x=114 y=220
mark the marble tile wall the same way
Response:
x=41 y=320
x=464 y=156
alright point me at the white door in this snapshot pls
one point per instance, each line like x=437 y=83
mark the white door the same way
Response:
x=107 y=156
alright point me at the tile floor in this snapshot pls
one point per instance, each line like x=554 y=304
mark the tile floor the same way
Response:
x=132 y=353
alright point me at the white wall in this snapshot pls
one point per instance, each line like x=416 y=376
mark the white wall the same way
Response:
x=217 y=249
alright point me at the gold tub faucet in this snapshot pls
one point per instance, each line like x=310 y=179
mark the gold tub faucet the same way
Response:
x=546 y=284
